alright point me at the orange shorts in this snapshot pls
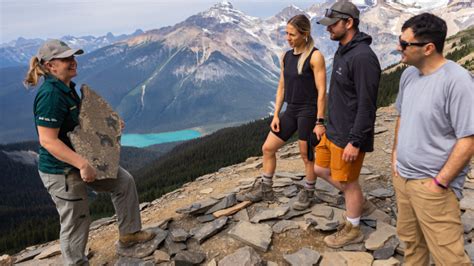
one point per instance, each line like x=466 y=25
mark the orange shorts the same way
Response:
x=329 y=155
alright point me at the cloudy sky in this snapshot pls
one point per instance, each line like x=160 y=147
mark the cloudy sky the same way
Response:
x=56 y=18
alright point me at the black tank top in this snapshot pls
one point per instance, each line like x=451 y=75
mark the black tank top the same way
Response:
x=299 y=89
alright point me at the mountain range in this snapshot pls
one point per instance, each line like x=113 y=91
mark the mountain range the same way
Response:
x=217 y=66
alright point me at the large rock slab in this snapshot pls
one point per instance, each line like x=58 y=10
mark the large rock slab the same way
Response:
x=173 y=247
x=125 y=261
x=258 y=236
x=377 y=239
x=142 y=250
x=378 y=216
x=381 y=193
x=389 y=262
x=303 y=257
x=49 y=252
x=321 y=210
x=245 y=256
x=198 y=207
x=224 y=203
x=284 y=225
x=321 y=223
x=294 y=213
x=268 y=214
x=207 y=230
x=179 y=235
x=28 y=254
x=189 y=257
x=346 y=258
x=97 y=138
x=160 y=256
x=388 y=249
x=467 y=203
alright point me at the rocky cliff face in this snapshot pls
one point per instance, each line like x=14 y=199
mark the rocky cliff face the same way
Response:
x=203 y=222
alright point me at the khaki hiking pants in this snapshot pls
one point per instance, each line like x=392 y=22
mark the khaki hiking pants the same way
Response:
x=69 y=193
x=429 y=223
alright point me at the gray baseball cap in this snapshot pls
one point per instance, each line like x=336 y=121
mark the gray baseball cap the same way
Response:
x=52 y=49
x=340 y=10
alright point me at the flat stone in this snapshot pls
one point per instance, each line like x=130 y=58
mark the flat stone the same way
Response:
x=468 y=221
x=49 y=252
x=232 y=210
x=251 y=166
x=179 y=235
x=303 y=257
x=198 y=207
x=271 y=263
x=160 y=256
x=289 y=154
x=205 y=218
x=101 y=222
x=284 y=225
x=381 y=193
x=285 y=175
x=241 y=215
x=355 y=247
x=294 y=213
x=245 y=256
x=268 y=214
x=365 y=171
x=377 y=215
x=321 y=223
x=467 y=203
x=323 y=185
x=379 y=130
x=224 y=203
x=213 y=262
x=206 y=190
x=331 y=199
x=377 y=239
x=173 y=247
x=190 y=257
x=97 y=139
x=321 y=210
x=387 y=250
x=28 y=253
x=333 y=259
x=470 y=251
x=133 y=261
x=283 y=199
x=390 y=262
x=371 y=177
x=357 y=258
x=142 y=250
x=162 y=224
x=290 y=191
x=201 y=233
x=258 y=236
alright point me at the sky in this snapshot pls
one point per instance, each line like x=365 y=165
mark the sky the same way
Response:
x=57 y=18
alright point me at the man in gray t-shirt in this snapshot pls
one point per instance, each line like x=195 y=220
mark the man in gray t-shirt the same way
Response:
x=434 y=142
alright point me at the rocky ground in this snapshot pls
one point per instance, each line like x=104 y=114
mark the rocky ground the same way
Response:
x=205 y=223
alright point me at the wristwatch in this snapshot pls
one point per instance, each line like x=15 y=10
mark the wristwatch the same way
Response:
x=320 y=121
x=355 y=143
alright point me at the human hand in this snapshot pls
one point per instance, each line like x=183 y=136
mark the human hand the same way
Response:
x=350 y=153
x=319 y=130
x=431 y=186
x=394 y=163
x=275 y=125
x=88 y=173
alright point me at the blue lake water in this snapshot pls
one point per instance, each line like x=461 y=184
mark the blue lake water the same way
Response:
x=143 y=140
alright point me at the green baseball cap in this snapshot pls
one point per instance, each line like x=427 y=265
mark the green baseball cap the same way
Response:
x=340 y=10
x=52 y=49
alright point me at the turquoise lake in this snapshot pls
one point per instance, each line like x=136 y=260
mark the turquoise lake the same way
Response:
x=143 y=140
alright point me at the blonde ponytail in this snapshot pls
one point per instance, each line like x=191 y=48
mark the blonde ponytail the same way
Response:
x=305 y=54
x=35 y=71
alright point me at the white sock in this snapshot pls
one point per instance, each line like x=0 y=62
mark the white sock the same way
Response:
x=267 y=179
x=354 y=221
x=309 y=185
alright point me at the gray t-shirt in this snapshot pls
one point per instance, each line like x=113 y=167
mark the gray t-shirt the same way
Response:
x=435 y=110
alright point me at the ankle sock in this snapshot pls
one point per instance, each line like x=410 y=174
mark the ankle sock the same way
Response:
x=309 y=185
x=267 y=179
x=354 y=221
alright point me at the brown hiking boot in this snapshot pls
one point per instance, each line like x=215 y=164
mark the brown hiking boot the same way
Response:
x=345 y=235
x=303 y=200
x=131 y=239
x=368 y=208
x=260 y=191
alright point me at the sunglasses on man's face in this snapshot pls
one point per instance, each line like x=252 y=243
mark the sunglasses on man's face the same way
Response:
x=405 y=44
x=331 y=13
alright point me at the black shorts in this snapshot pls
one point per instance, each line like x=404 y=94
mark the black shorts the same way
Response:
x=297 y=117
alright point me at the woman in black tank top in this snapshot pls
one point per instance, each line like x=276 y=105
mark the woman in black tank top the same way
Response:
x=302 y=86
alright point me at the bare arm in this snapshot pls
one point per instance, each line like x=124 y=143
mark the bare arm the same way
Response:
x=319 y=70
x=275 y=125
x=394 y=148
x=48 y=138
x=460 y=155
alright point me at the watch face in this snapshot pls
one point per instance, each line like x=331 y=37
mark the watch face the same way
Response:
x=355 y=144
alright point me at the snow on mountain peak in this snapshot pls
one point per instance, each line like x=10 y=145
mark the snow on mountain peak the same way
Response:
x=418 y=5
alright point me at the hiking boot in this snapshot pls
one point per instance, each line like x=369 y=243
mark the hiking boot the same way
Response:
x=367 y=208
x=131 y=239
x=303 y=200
x=345 y=235
x=260 y=191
